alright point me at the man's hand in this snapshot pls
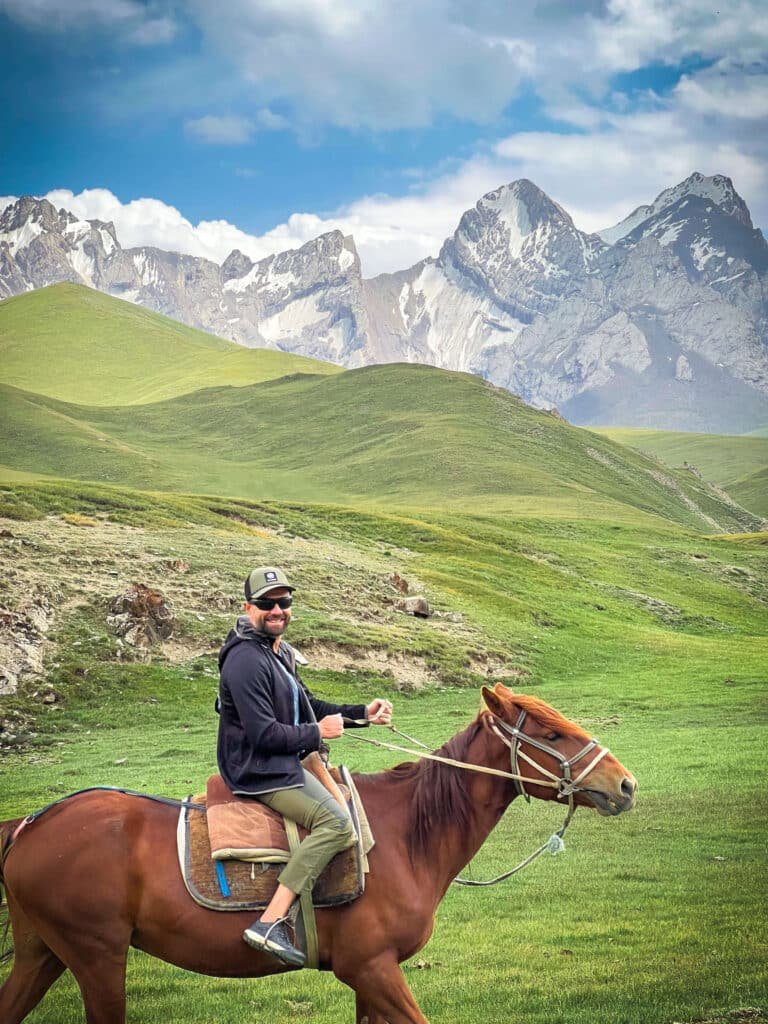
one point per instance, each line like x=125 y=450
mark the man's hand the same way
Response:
x=331 y=727
x=379 y=712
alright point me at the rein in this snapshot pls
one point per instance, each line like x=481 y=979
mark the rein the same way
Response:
x=564 y=784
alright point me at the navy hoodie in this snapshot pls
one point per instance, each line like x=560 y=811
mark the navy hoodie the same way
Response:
x=259 y=744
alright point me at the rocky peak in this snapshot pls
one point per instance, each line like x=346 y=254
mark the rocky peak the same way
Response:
x=38 y=214
x=717 y=190
x=237 y=264
x=509 y=215
x=523 y=245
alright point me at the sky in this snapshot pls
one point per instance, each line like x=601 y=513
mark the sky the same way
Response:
x=260 y=124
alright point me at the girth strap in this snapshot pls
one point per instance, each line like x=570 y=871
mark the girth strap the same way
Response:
x=305 y=902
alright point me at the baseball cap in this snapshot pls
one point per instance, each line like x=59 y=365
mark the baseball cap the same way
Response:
x=262 y=580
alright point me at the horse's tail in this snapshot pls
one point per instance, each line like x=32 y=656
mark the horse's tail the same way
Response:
x=7 y=831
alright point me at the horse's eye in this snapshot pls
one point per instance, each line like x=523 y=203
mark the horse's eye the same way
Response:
x=553 y=736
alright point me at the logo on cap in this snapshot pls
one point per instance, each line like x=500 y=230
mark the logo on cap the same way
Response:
x=270 y=577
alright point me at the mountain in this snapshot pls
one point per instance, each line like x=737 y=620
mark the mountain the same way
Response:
x=305 y=301
x=660 y=321
x=70 y=342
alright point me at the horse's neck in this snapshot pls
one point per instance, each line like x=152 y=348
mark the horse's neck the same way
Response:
x=450 y=845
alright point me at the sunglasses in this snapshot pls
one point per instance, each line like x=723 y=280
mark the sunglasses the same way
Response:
x=266 y=604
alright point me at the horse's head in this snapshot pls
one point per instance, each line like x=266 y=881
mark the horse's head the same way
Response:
x=557 y=758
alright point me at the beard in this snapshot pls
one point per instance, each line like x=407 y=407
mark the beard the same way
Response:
x=273 y=625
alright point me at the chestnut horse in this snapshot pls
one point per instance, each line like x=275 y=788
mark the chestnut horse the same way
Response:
x=99 y=872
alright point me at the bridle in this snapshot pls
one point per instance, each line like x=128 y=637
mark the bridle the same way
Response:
x=512 y=736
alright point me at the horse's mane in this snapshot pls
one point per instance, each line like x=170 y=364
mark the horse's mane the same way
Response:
x=441 y=793
x=549 y=716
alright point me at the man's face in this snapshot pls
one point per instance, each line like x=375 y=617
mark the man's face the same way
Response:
x=274 y=621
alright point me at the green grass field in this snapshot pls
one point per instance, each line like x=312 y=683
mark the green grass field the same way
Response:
x=410 y=436
x=630 y=595
x=651 y=635
x=737 y=463
x=79 y=345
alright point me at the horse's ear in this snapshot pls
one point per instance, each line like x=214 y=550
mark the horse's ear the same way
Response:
x=493 y=702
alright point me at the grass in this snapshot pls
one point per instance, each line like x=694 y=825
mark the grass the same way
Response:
x=79 y=345
x=653 y=636
x=737 y=463
x=630 y=595
x=408 y=436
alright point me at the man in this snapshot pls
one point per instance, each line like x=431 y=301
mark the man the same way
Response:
x=268 y=721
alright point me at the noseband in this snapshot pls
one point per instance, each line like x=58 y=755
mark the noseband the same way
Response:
x=565 y=784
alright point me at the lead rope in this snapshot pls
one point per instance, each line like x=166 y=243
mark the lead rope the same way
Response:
x=567 y=787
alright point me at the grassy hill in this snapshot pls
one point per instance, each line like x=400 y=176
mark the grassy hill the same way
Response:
x=651 y=636
x=79 y=345
x=554 y=559
x=403 y=435
x=737 y=463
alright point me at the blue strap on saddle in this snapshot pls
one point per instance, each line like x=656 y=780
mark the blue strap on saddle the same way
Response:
x=221 y=878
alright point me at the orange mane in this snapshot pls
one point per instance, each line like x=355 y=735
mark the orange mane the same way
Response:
x=544 y=713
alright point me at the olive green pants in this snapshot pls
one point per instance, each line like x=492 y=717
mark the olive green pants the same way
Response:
x=330 y=830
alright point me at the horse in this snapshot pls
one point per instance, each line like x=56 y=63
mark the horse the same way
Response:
x=98 y=872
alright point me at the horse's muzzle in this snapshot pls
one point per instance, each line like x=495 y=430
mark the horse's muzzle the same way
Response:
x=611 y=804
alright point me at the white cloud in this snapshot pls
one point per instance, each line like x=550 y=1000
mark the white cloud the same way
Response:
x=66 y=13
x=726 y=91
x=269 y=121
x=154 y=32
x=379 y=64
x=140 y=27
x=629 y=34
x=228 y=129
x=392 y=64
x=233 y=130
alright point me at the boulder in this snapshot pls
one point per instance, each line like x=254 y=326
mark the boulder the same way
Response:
x=22 y=641
x=416 y=605
x=141 y=617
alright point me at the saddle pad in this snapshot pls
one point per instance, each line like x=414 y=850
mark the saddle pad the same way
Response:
x=246 y=829
x=250 y=886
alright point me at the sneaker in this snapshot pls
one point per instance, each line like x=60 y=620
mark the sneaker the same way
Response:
x=274 y=938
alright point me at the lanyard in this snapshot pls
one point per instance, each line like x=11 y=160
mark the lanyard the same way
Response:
x=294 y=688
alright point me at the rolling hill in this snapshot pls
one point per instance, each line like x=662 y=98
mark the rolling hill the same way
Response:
x=79 y=345
x=394 y=435
x=739 y=463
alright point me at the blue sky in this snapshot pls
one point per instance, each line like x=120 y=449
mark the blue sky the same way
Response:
x=261 y=123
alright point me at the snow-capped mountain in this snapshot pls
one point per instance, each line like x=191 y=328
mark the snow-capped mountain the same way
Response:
x=306 y=300
x=659 y=321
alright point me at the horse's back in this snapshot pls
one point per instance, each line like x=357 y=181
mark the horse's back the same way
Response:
x=87 y=848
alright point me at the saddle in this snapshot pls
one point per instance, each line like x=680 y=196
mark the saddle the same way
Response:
x=232 y=849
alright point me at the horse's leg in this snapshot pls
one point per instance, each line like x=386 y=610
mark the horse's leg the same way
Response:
x=364 y=1013
x=102 y=986
x=99 y=970
x=35 y=968
x=381 y=989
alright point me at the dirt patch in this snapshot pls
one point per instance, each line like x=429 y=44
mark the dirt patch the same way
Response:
x=492 y=667
x=179 y=651
x=746 y=1015
x=409 y=671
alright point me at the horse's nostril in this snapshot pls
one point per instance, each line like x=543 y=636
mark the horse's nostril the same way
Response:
x=628 y=787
